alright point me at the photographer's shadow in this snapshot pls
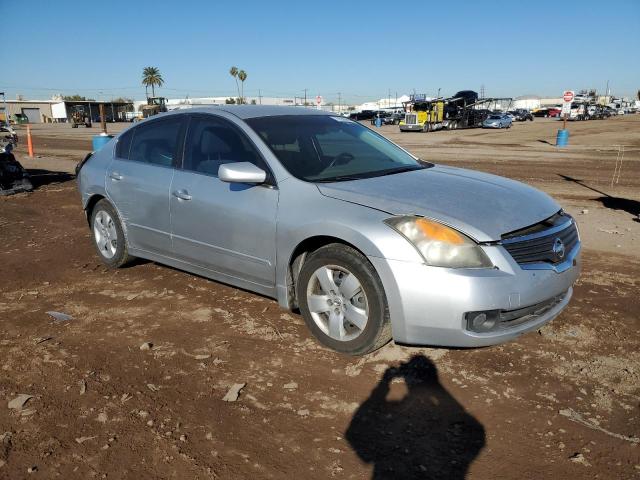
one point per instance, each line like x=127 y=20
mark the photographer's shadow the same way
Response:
x=423 y=434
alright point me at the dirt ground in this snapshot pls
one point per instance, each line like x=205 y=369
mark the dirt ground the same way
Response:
x=563 y=402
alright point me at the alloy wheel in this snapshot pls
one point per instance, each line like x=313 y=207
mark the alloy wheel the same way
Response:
x=337 y=303
x=105 y=233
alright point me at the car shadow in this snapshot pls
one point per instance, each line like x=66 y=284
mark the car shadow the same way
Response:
x=424 y=434
x=545 y=141
x=40 y=177
x=614 y=203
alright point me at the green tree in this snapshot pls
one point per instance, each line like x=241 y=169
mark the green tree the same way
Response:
x=122 y=100
x=242 y=76
x=230 y=101
x=151 y=77
x=76 y=98
x=638 y=94
x=233 y=71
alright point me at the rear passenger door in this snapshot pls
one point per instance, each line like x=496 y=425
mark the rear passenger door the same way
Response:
x=139 y=178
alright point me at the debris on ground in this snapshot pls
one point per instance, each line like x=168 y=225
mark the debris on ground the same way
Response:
x=579 y=458
x=84 y=439
x=146 y=346
x=20 y=401
x=5 y=446
x=59 y=316
x=13 y=177
x=234 y=392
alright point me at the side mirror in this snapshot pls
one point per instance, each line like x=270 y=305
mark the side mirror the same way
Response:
x=241 y=172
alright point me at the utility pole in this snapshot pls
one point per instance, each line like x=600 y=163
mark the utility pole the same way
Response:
x=389 y=98
x=6 y=109
x=339 y=98
x=305 y=96
x=260 y=96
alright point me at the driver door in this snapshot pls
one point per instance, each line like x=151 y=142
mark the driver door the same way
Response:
x=227 y=228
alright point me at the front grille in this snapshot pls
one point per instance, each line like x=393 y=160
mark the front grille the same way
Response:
x=411 y=119
x=513 y=318
x=540 y=247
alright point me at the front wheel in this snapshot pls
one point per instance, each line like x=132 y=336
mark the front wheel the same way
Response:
x=342 y=300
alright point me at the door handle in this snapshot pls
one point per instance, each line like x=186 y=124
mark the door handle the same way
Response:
x=182 y=195
x=115 y=176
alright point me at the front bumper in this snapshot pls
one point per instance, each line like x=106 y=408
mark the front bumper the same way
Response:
x=490 y=125
x=428 y=305
x=413 y=127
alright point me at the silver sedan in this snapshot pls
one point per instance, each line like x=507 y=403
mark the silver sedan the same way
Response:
x=499 y=120
x=322 y=213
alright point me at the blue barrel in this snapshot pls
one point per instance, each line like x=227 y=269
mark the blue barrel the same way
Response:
x=378 y=122
x=100 y=141
x=562 y=139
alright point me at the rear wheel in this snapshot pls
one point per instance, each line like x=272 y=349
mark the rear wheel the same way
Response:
x=342 y=300
x=108 y=235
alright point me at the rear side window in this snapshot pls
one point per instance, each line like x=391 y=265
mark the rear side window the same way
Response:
x=124 y=144
x=157 y=142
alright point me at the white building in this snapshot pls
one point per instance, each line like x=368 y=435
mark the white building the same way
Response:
x=384 y=103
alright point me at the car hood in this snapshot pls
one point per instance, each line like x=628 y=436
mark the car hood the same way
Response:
x=481 y=205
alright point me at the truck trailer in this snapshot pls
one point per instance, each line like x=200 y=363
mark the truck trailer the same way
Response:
x=463 y=110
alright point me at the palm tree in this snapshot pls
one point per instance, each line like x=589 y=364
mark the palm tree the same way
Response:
x=234 y=73
x=242 y=75
x=151 y=76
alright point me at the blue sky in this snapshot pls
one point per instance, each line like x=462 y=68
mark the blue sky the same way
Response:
x=362 y=49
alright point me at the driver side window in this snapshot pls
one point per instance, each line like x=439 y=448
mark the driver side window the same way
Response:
x=213 y=142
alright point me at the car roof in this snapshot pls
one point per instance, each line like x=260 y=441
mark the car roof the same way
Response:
x=253 y=111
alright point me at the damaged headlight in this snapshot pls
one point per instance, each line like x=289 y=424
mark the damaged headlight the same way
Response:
x=439 y=245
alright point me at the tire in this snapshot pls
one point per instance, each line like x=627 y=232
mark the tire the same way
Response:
x=113 y=252
x=352 y=290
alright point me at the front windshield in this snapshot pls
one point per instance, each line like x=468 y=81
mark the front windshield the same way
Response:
x=323 y=148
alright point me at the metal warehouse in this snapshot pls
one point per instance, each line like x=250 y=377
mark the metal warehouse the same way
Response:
x=54 y=111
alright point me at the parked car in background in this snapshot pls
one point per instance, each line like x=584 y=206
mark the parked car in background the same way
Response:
x=541 y=112
x=522 y=115
x=382 y=115
x=333 y=219
x=362 y=115
x=554 y=112
x=499 y=120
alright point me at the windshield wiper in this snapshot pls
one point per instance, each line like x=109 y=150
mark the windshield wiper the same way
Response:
x=392 y=171
x=339 y=178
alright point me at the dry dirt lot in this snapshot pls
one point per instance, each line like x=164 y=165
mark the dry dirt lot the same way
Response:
x=563 y=402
